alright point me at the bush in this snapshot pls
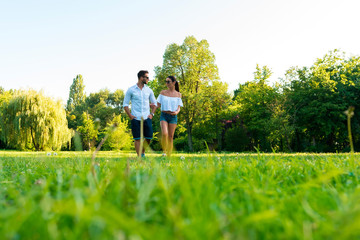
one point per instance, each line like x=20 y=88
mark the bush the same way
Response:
x=181 y=143
x=236 y=139
x=120 y=137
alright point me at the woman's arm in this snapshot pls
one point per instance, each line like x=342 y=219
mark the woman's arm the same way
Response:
x=176 y=112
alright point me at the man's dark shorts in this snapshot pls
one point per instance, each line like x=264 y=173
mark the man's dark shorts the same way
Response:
x=135 y=129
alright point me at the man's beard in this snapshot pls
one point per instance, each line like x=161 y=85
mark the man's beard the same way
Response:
x=144 y=82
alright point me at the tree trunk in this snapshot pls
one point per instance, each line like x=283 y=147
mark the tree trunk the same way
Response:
x=287 y=138
x=190 y=143
x=217 y=130
x=33 y=139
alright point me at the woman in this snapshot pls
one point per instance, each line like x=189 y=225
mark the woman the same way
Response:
x=170 y=102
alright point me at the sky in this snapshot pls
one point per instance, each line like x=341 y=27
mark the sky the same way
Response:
x=45 y=44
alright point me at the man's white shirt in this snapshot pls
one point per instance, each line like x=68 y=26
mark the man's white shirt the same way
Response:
x=140 y=101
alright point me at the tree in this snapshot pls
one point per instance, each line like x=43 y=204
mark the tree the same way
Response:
x=76 y=102
x=30 y=120
x=5 y=97
x=104 y=105
x=317 y=98
x=194 y=66
x=281 y=130
x=88 y=130
x=116 y=100
x=76 y=95
x=208 y=125
x=256 y=99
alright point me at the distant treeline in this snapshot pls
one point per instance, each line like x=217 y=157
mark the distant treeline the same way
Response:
x=303 y=111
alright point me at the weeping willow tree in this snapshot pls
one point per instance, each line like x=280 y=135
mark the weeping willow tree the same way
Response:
x=30 y=120
x=5 y=97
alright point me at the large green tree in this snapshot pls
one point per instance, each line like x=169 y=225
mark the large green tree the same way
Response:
x=208 y=126
x=256 y=99
x=30 y=120
x=104 y=105
x=317 y=98
x=194 y=66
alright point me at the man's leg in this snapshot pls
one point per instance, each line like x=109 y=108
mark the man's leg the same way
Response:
x=148 y=134
x=145 y=145
x=137 y=146
x=135 y=129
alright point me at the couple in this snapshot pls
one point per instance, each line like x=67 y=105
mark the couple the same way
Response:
x=169 y=101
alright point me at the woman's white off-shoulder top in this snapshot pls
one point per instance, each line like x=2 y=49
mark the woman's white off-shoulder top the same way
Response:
x=169 y=103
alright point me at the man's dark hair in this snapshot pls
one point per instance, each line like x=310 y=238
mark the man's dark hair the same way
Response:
x=142 y=73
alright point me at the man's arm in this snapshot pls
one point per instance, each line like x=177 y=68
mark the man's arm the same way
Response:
x=152 y=97
x=153 y=105
x=126 y=104
x=127 y=110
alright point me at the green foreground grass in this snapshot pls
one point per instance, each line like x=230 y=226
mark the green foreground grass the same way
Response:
x=198 y=196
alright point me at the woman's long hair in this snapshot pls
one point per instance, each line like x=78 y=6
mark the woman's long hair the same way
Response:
x=176 y=82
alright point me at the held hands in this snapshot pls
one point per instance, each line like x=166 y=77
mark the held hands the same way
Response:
x=153 y=107
x=174 y=113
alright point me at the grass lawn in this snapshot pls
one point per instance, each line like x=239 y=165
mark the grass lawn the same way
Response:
x=188 y=196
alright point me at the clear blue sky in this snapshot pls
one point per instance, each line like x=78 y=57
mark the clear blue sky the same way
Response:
x=45 y=44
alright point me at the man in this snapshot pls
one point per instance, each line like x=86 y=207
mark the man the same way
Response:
x=140 y=96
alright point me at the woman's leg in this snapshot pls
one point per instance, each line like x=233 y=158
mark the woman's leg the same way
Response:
x=164 y=135
x=171 y=132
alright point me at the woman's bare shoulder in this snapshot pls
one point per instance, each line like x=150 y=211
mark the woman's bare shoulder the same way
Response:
x=163 y=92
x=179 y=95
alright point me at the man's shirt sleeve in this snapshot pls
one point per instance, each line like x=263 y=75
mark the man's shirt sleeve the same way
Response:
x=152 y=97
x=127 y=98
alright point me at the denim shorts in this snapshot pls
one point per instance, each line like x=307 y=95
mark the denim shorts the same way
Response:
x=168 y=118
x=135 y=129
